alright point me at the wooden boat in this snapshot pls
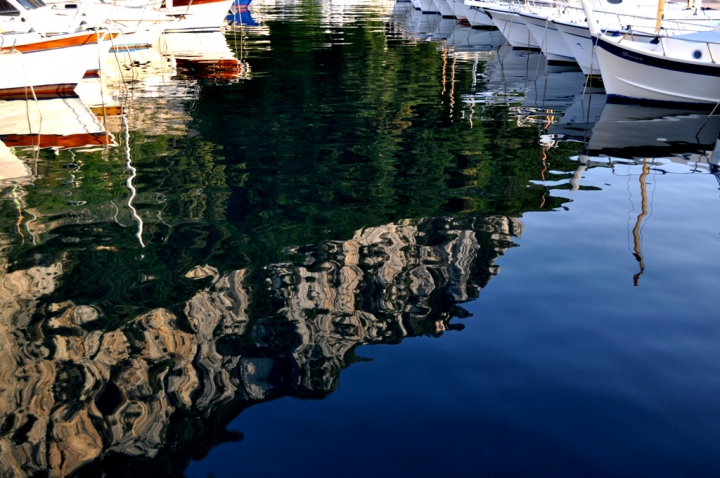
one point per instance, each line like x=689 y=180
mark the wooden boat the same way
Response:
x=44 y=67
x=196 y=15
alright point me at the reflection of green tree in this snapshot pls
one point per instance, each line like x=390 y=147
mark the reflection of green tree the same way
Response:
x=328 y=141
x=347 y=130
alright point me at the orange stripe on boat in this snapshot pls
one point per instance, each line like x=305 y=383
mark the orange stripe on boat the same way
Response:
x=64 y=42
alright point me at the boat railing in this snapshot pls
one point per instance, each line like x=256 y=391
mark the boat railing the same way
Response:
x=647 y=23
x=690 y=49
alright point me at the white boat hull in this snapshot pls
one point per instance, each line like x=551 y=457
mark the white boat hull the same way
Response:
x=579 y=42
x=207 y=16
x=513 y=28
x=548 y=37
x=476 y=16
x=428 y=6
x=48 y=67
x=631 y=71
x=445 y=8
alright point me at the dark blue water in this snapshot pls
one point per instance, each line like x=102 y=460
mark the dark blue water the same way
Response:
x=386 y=245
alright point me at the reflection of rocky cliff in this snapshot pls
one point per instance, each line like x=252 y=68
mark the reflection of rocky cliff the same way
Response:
x=80 y=391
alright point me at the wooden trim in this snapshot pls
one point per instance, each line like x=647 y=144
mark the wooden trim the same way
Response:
x=63 y=42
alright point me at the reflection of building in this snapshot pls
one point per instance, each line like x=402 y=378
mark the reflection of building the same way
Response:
x=80 y=386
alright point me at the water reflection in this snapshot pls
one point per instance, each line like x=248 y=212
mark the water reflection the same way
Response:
x=235 y=233
x=81 y=386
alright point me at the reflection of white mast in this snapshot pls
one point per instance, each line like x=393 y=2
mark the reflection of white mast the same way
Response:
x=129 y=181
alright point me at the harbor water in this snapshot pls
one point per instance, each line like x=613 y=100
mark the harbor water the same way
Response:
x=388 y=244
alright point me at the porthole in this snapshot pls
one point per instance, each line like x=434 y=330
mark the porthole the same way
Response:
x=697 y=54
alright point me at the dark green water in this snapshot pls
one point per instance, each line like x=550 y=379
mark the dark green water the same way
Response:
x=361 y=185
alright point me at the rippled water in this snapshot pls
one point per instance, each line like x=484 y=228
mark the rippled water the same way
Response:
x=385 y=244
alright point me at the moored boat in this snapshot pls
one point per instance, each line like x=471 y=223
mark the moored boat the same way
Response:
x=46 y=67
x=673 y=69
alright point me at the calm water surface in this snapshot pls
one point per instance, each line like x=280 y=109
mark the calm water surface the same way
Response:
x=390 y=246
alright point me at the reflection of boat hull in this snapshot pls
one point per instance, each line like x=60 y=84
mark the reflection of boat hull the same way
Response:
x=220 y=69
x=52 y=123
x=56 y=140
x=577 y=121
x=12 y=170
x=202 y=56
x=642 y=131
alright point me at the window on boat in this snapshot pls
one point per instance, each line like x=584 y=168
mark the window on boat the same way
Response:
x=614 y=2
x=7 y=9
x=30 y=4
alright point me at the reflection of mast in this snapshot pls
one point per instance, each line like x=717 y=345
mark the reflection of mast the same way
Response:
x=444 y=68
x=543 y=161
x=129 y=181
x=638 y=223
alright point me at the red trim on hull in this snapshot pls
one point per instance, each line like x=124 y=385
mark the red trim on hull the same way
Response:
x=187 y=3
x=64 y=90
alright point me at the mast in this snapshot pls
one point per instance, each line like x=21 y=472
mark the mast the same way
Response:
x=659 y=17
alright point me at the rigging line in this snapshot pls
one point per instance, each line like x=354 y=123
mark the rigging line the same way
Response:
x=705 y=122
x=100 y=73
x=36 y=149
x=20 y=217
x=115 y=217
x=27 y=226
x=476 y=61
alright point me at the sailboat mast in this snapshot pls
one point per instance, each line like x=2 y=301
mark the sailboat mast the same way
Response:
x=660 y=13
